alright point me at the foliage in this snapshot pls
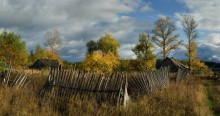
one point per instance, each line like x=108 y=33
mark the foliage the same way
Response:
x=39 y=53
x=100 y=62
x=13 y=49
x=163 y=37
x=126 y=65
x=51 y=55
x=107 y=44
x=3 y=65
x=91 y=46
x=53 y=40
x=145 y=57
x=197 y=67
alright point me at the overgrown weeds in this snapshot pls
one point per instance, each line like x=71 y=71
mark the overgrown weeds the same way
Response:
x=182 y=98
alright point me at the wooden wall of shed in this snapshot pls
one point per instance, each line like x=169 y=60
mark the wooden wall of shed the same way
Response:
x=173 y=67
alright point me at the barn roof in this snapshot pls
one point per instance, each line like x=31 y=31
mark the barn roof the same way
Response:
x=45 y=63
x=175 y=62
x=178 y=63
x=49 y=62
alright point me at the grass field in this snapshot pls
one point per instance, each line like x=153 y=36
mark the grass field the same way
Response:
x=191 y=97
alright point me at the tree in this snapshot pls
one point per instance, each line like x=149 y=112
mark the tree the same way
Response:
x=108 y=44
x=189 y=27
x=143 y=50
x=91 y=46
x=101 y=63
x=163 y=36
x=13 y=49
x=53 y=40
x=39 y=53
x=194 y=64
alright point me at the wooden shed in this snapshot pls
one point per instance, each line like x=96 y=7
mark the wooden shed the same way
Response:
x=45 y=63
x=173 y=64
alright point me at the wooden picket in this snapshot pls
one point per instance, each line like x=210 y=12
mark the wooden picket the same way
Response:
x=112 y=88
x=65 y=84
x=11 y=78
x=148 y=81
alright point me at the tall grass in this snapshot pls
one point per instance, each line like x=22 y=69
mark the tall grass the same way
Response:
x=178 y=99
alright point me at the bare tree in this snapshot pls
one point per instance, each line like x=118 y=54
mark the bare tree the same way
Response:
x=189 y=27
x=163 y=35
x=53 y=40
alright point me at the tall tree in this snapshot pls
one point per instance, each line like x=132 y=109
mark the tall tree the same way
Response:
x=13 y=49
x=163 y=35
x=107 y=43
x=194 y=64
x=91 y=46
x=53 y=40
x=189 y=27
x=144 y=53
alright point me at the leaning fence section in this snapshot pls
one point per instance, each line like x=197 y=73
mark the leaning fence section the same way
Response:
x=12 y=78
x=148 y=81
x=65 y=84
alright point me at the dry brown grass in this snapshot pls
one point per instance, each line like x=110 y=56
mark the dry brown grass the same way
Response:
x=182 y=98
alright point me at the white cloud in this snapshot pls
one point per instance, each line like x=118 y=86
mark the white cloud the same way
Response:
x=206 y=12
x=78 y=21
x=213 y=38
x=146 y=8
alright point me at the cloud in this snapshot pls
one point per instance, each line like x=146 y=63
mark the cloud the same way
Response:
x=209 y=52
x=205 y=12
x=213 y=38
x=77 y=21
x=146 y=8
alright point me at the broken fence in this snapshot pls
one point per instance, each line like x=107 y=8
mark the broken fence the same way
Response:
x=111 y=88
x=66 y=84
x=13 y=78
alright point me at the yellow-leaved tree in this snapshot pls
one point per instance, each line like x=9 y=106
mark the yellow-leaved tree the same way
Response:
x=194 y=64
x=197 y=67
x=100 y=62
x=51 y=55
x=102 y=56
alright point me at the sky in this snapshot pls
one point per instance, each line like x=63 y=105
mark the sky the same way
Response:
x=79 y=21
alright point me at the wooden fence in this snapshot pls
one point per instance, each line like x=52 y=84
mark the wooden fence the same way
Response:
x=148 y=81
x=12 y=78
x=65 y=84
x=111 y=88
